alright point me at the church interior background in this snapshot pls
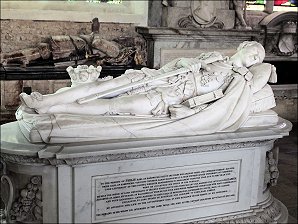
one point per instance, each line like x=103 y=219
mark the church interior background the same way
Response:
x=146 y=31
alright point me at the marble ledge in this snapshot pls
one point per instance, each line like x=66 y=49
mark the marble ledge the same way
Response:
x=273 y=57
x=14 y=146
x=156 y=31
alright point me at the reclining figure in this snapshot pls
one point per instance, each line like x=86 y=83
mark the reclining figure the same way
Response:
x=220 y=90
x=73 y=49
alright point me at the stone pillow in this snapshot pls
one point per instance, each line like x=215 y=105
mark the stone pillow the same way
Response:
x=262 y=73
x=262 y=100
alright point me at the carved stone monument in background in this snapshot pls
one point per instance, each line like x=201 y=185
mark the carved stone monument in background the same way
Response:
x=195 y=25
x=226 y=14
x=280 y=37
x=199 y=14
x=63 y=50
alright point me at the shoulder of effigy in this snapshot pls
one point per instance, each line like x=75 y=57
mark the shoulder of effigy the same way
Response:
x=222 y=64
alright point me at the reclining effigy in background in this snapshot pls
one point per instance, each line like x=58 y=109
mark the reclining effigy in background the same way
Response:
x=81 y=49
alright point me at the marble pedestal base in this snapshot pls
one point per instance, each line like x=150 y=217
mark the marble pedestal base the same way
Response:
x=223 y=177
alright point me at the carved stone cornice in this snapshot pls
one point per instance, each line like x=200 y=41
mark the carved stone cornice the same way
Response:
x=20 y=159
x=165 y=32
x=167 y=152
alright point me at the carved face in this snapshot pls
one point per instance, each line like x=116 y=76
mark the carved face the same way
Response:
x=249 y=56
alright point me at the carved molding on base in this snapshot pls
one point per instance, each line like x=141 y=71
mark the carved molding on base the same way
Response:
x=271 y=211
x=135 y=155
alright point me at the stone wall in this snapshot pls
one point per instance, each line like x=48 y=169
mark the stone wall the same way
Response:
x=287 y=108
x=20 y=34
x=286 y=101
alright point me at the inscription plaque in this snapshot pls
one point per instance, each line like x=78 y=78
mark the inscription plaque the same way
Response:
x=135 y=194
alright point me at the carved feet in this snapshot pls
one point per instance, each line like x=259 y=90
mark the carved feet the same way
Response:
x=34 y=101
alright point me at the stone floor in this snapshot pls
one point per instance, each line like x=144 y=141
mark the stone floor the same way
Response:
x=286 y=188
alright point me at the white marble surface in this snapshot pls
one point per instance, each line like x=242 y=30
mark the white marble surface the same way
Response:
x=12 y=138
x=73 y=173
x=164 y=165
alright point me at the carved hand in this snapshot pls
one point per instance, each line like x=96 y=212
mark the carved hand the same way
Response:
x=160 y=109
x=180 y=111
x=192 y=64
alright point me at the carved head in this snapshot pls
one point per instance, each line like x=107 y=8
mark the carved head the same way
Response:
x=250 y=53
x=44 y=50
